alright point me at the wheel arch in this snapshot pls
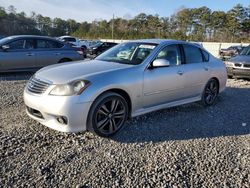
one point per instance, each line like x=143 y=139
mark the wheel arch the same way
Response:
x=84 y=46
x=119 y=91
x=217 y=80
x=64 y=59
x=123 y=93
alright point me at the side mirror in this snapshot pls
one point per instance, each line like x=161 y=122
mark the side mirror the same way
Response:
x=5 y=47
x=160 y=63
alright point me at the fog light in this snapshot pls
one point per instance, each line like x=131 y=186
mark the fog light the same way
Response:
x=62 y=120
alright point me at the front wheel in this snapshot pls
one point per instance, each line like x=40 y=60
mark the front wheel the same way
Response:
x=108 y=114
x=210 y=92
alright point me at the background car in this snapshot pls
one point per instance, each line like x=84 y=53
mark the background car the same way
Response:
x=94 y=43
x=74 y=41
x=29 y=53
x=230 y=51
x=128 y=80
x=100 y=48
x=80 y=50
x=239 y=66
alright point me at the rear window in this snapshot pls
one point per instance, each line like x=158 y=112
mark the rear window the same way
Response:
x=205 y=56
x=69 y=39
x=192 y=54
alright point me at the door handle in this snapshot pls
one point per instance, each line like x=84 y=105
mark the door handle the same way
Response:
x=206 y=68
x=30 y=54
x=57 y=53
x=180 y=72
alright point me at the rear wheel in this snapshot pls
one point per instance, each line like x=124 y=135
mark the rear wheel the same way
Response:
x=108 y=114
x=210 y=92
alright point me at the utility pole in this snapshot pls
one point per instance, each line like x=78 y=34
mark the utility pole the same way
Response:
x=113 y=26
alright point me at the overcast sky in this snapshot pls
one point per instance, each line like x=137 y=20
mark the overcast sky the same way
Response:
x=89 y=10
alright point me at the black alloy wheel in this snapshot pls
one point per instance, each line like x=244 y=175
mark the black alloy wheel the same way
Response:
x=210 y=92
x=108 y=114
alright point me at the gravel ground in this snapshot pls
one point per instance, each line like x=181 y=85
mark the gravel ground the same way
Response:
x=186 y=146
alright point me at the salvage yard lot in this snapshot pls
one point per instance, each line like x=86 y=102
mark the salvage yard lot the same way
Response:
x=185 y=146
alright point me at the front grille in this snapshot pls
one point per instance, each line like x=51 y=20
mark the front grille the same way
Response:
x=237 y=64
x=247 y=65
x=37 y=86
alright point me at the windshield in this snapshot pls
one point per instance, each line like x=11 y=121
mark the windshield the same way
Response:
x=128 y=53
x=6 y=39
x=245 y=51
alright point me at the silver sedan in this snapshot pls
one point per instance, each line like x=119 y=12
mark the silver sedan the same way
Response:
x=30 y=53
x=128 y=80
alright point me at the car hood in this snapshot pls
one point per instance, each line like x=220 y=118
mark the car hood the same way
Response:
x=66 y=72
x=241 y=59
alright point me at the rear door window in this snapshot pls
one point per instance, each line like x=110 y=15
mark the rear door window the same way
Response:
x=44 y=44
x=205 y=56
x=29 y=44
x=192 y=54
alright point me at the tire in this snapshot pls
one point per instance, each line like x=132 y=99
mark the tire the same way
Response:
x=108 y=114
x=64 y=60
x=84 y=47
x=210 y=92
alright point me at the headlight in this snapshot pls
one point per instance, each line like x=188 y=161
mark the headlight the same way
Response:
x=73 y=88
x=229 y=64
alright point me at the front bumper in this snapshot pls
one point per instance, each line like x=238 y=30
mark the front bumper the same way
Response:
x=238 y=72
x=46 y=109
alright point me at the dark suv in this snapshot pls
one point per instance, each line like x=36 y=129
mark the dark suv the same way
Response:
x=230 y=51
x=100 y=48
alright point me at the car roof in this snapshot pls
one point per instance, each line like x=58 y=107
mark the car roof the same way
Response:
x=66 y=36
x=169 y=41
x=162 y=41
x=110 y=43
x=30 y=36
x=11 y=38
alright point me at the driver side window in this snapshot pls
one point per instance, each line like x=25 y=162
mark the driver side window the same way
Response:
x=170 y=53
x=22 y=44
x=17 y=45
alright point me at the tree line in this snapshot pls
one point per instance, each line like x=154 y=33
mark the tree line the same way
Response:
x=194 y=24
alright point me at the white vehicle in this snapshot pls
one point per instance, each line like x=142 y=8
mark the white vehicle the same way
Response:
x=91 y=43
x=74 y=41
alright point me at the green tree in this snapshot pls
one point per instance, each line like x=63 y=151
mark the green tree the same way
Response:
x=235 y=19
x=218 y=26
x=196 y=24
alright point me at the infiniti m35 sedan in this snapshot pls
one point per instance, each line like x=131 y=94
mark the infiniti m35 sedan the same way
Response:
x=128 y=80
